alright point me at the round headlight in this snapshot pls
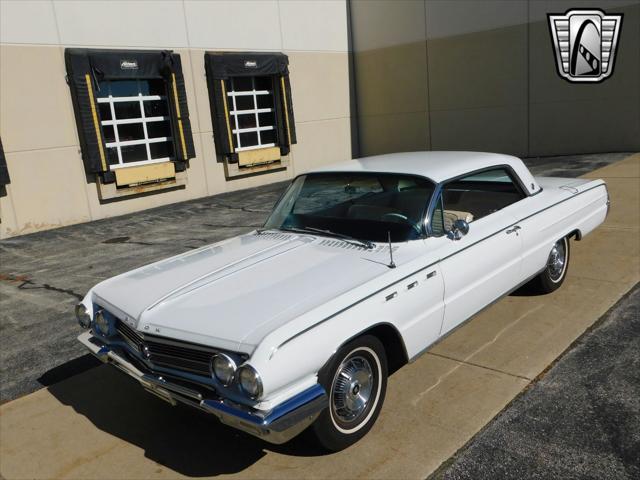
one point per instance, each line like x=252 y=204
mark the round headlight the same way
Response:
x=250 y=381
x=223 y=368
x=82 y=315
x=102 y=323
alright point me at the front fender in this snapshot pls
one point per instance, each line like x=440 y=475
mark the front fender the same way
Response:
x=301 y=358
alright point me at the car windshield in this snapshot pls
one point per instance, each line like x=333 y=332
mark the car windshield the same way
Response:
x=365 y=206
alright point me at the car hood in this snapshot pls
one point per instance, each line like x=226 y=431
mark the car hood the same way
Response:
x=230 y=295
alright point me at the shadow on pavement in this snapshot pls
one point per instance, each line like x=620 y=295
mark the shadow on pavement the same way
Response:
x=183 y=439
x=68 y=370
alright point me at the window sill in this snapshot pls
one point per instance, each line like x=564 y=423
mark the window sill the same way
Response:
x=110 y=191
x=135 y=175
x=234 y=170
x=259 y=156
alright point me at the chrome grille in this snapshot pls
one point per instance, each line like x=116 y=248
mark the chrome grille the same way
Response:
x=168 y=353
x=129 y=335
x=179 y=357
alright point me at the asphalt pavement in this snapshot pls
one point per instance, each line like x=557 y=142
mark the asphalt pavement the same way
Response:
x=43 y=275
x=581 y=419
x=97 y=423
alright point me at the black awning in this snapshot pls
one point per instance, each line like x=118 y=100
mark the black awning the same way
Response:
x=123 y=64
x=223 y=65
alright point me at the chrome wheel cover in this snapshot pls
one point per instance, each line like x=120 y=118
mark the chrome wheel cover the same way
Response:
x=352 y=389
x=557 y=260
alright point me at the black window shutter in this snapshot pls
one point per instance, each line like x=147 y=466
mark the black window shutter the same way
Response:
x=182 y=134
x=4 y=171
x=220 y=120
x=82 y=85
x=289 y=124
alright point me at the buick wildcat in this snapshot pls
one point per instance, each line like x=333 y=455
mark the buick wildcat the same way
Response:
x=359 y=268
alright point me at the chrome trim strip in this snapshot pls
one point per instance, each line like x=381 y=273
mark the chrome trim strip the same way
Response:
x=160 y=382
x=311 y=327
x=305 y=330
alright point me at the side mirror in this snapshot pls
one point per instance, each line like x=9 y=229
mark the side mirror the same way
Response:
x=459 y=229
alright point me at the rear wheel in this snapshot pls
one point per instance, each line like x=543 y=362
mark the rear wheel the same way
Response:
x=555 y=272
x=356 y=383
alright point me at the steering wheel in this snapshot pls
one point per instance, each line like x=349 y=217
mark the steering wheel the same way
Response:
x=404 y=219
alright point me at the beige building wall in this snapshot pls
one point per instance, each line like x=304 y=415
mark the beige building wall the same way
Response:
x=481 y=75
x=49 y=187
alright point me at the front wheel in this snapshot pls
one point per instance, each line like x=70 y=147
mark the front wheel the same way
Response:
x=555 y=272
x=356 y=382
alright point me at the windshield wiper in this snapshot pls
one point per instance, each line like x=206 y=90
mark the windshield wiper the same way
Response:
x=365 y=243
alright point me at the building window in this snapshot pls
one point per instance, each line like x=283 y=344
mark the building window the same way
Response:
x=250 y=103
x=131 y=111
x=252 y=111
x=135 y=120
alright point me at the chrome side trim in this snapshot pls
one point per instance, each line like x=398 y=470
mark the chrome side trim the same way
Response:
x=305 y=330
x=311 y=327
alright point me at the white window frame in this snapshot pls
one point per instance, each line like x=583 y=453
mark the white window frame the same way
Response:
x=146 y=141
x=232 y=93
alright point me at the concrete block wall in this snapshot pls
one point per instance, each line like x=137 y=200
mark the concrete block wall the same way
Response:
x=49 y=187
x=481 y=75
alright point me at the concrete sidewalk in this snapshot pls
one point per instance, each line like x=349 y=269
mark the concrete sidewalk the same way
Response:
x=99 y=424
x=581 y=420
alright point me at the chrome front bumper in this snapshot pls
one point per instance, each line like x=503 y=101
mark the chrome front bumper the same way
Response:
x=279 y=425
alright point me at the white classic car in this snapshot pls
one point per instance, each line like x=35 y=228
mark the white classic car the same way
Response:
x=361 y=266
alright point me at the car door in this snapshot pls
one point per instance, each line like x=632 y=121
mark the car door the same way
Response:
x=485 y=263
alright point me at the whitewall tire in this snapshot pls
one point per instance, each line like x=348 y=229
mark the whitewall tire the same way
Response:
x=356 y=381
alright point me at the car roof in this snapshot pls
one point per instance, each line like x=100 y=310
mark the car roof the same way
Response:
x=438 y=166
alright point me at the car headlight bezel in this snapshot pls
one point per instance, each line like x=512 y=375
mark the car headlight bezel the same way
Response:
x=218 y=363
x=250 y=381
x=83 y=316
x=103 y=323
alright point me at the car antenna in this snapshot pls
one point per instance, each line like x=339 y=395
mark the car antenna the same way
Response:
x=391 y=262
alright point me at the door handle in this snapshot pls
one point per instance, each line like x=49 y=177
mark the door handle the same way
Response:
x=514 y=229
